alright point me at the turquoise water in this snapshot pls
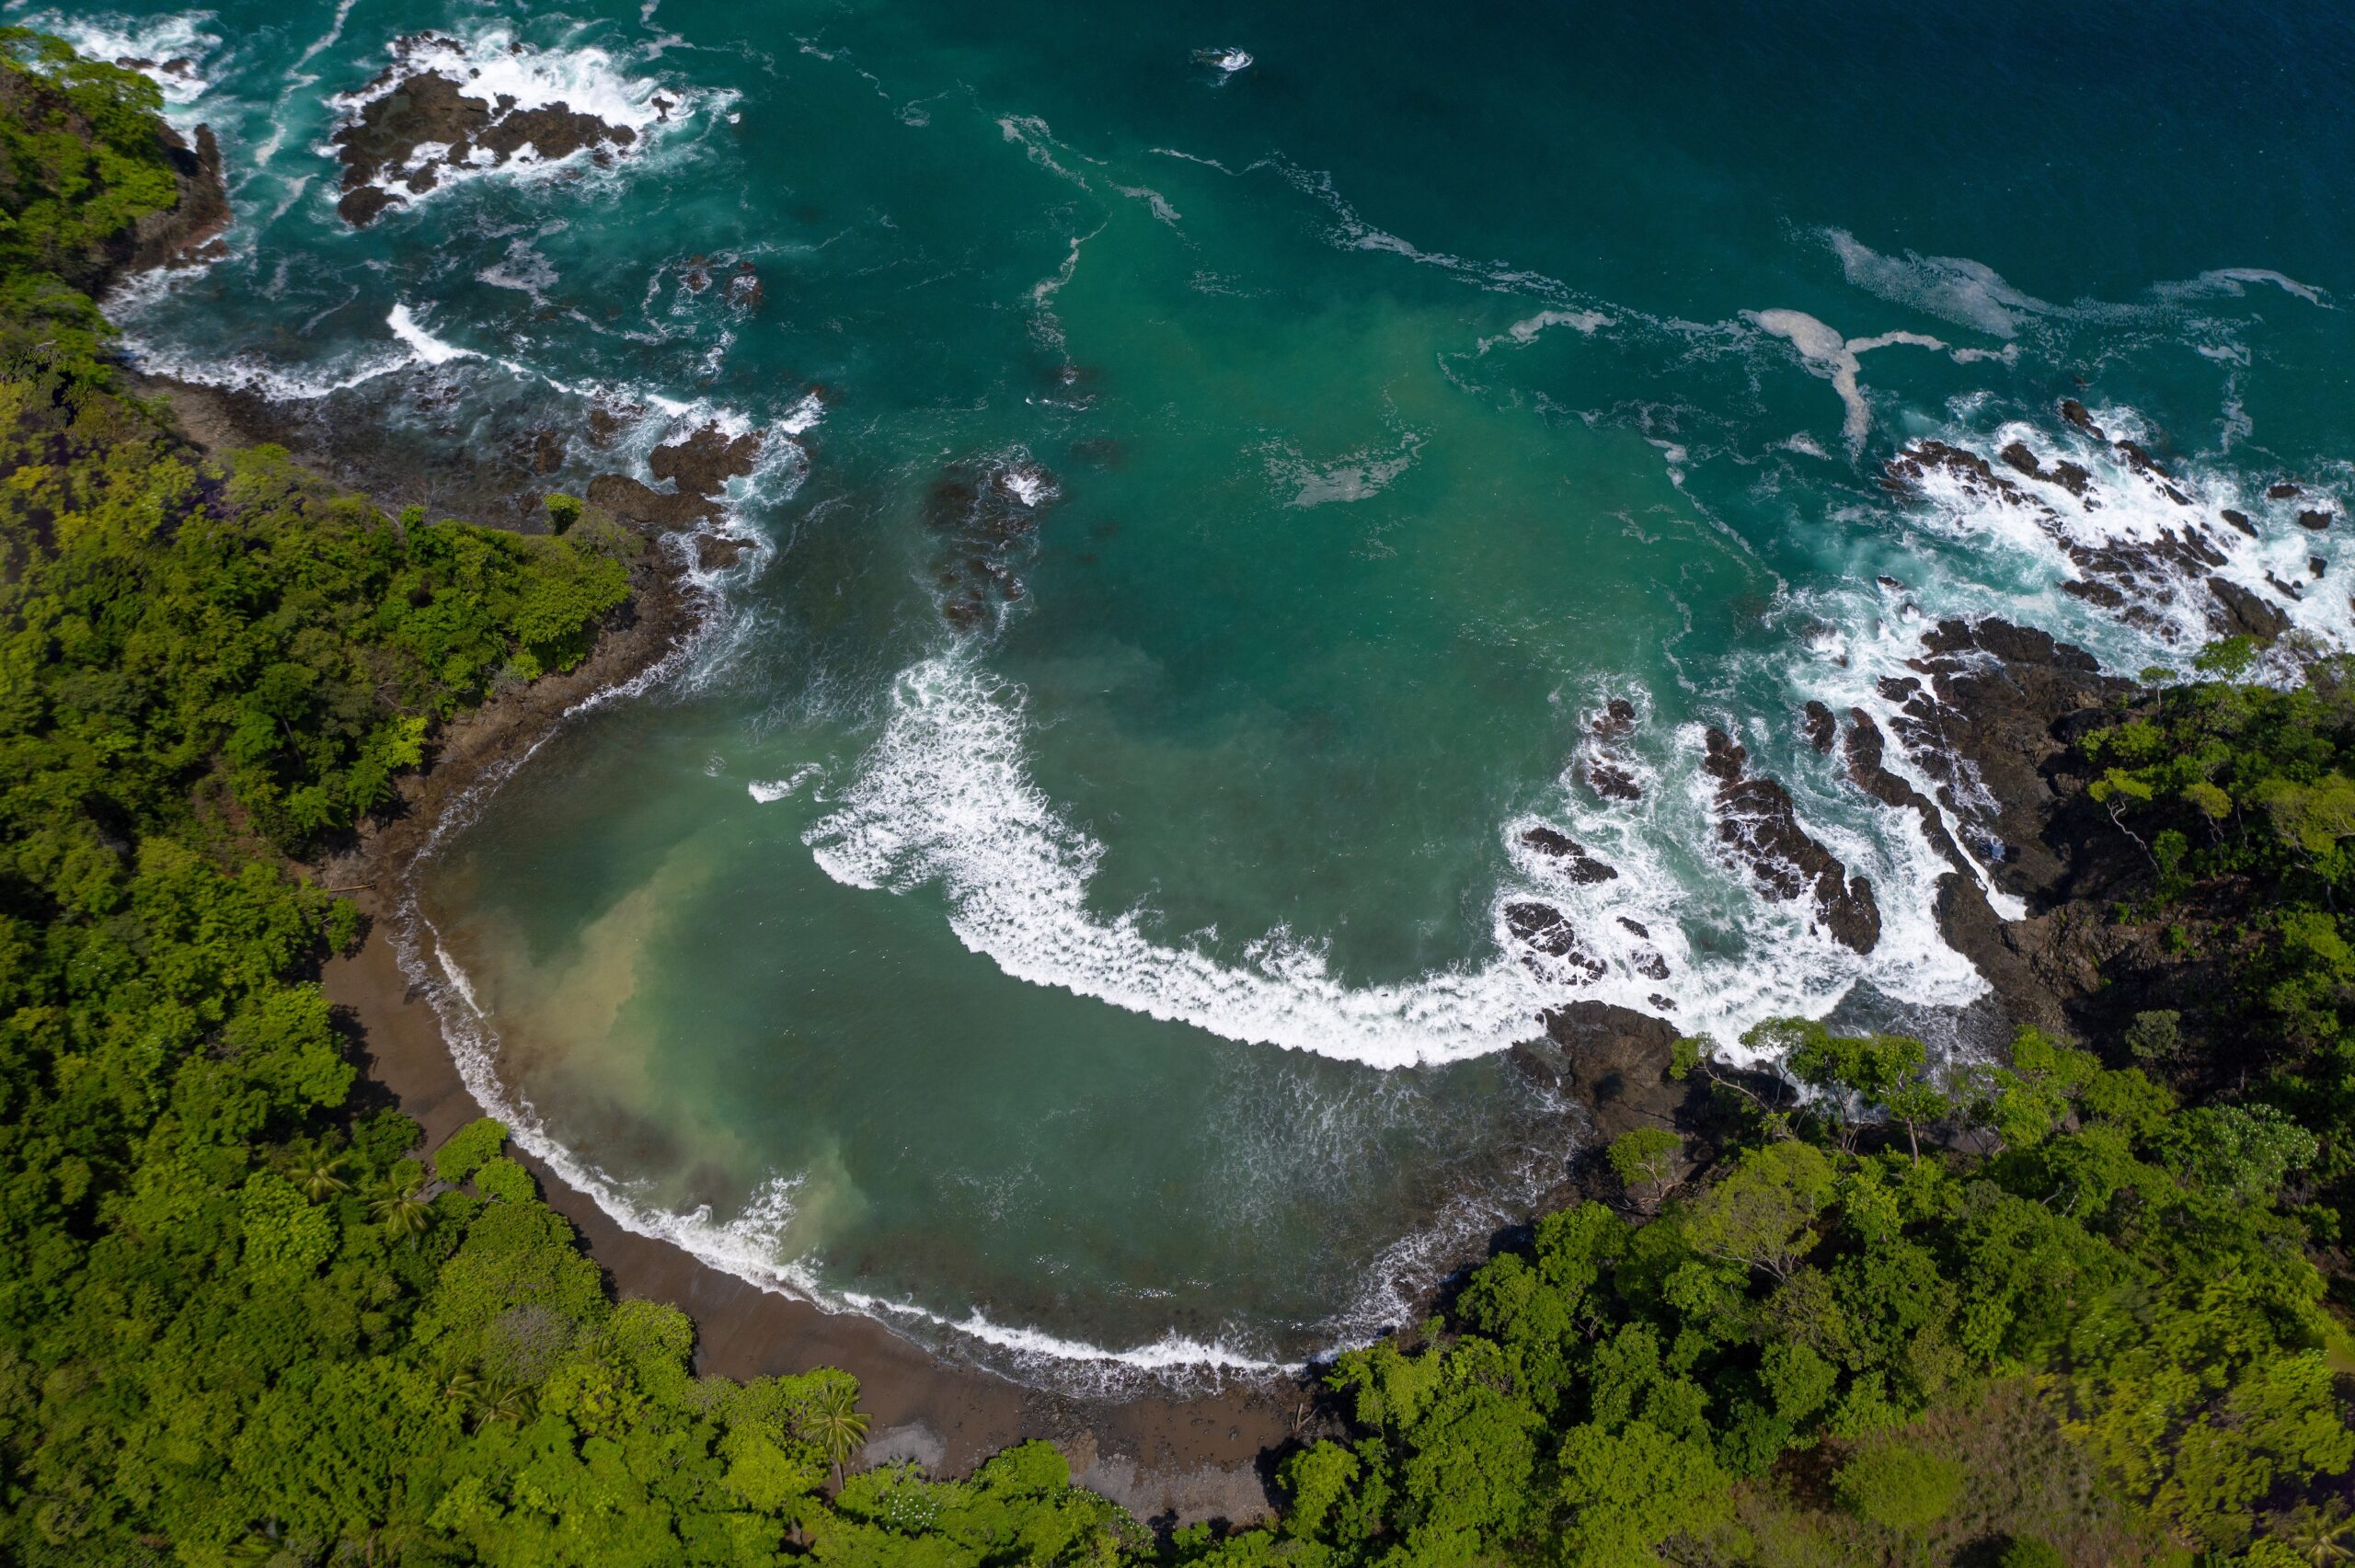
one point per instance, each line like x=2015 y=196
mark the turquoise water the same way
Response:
x=1110 y=971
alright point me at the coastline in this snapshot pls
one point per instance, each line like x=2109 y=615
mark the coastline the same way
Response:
x=1174 y=1460
x=1171 y=1461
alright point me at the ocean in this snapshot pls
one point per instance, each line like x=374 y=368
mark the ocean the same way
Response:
x=1237 y=489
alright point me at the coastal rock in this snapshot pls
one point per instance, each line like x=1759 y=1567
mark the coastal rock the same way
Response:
x=2075 y=413
x=1576 y=862
x=1823 y=729
x=2239 y=519
x=2313 y=519
x=1758 y=821
x=2282 y=491
x=1602 y=769
x=718 y=552
x=635 y=501
x=1542 y=930
x=418 y=121
x=697 y=469
x=706 y=461
x=188 y=232
x=2244 y=613
x=2070 y=476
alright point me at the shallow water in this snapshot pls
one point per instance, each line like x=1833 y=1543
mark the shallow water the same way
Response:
x=1123 y=966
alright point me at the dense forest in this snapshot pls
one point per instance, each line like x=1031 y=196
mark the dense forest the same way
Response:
x=2076 y=1308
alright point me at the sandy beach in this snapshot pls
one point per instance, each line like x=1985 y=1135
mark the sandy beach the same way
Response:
x=1169 y=1460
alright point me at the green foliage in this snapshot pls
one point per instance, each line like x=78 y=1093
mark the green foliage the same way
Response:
x=2031 y=1551
x=468 y=1149
x=1898 y=1486
x=499 y=1177
x=563 y=512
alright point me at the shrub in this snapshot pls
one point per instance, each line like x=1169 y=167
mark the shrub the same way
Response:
x=468 y=1148
x=1897 y=1486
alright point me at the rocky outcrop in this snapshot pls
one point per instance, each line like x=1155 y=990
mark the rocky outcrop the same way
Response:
x=697 y=470
x=1571 y=859
x=1604 y=768
x=189 y=233
x=418 y=125
x=1758 y=821
x=1545 y=930
x=2135 y=577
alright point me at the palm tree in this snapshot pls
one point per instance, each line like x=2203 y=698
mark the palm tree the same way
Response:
x=320 y=1177
x=403 y=1211
x=837 y=1425
x=502 y=1400
x=2318 y=1537
x=462 y=1387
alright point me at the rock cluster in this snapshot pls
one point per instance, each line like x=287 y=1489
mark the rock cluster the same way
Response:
x=418 y=125
x=1757 y=820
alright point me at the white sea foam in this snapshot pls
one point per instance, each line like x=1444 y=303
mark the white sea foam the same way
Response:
x=1172 y=1353
x=1355 y=477
x=1225 y=61
x=944 y=797
x=428 y=348
x=2229 y=281
x=1828 y=354
x=1957 y=287
x=1586 y=323
x=158 y=40
x=779 y=789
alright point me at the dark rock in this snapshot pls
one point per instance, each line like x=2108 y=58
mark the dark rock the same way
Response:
x=1577 y=864
x=1612 y=782
x=2068 y=476
x=2282 y=491
x=2141 y=461
x=2316 y=519
x=706 y=461
x=1637 y=926
x=427 y=108
x=1603 y=771
x=363 y=206
x=2316 y=565
x=715 y=551
x=985 y=530
x=1757 y=819
x=188 y=231
x=2239 y=519
x=1541 y=929
x=2244 y=613
x=2286 y=590
x=2075 y=413
x=634 y=501
x=1821 y=727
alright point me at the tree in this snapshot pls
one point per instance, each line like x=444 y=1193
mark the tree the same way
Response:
x=1645 y=1160
x=1762 y=1212
x=2320 y=1537
x=403 y=1208
x=833 y=1421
